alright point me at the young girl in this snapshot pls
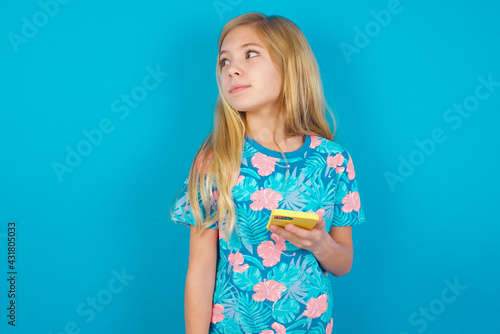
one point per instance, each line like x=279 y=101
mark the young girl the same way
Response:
x=271 y=148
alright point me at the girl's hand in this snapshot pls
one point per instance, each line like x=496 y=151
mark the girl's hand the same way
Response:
x=302 y=237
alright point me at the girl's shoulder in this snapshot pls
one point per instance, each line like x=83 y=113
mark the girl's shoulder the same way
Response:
x=327 y=146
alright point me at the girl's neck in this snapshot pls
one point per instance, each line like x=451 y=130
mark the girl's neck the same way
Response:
x=289 y=144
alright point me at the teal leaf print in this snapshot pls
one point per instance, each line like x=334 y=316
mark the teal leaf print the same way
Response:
x=284 y=274
x=285 y=310
x=341 y=218
x=243 y=190
x=247 y=279
x=249 y=151
x=225 y=290
x=301 y=322
x=230 y=304
x=312 y=277
x=291 y=185
x=234 y=242
x=249 y=248
x=253 y=260
x=317 y=195
x=296 y=291
x=252 y=227
x=313 y=167
x=276 y=181
x=250 y=172
x=341 y=192
x=314 y=287
x=297 y=262
x=333 y=147
x=293 y=201
x=230 y=327
x=329 y=147
x=217 y=329
x=253 y=316
x=345 y=178
x=222 y=265
x=327 y=315
x=291 y=247
x=317 y=330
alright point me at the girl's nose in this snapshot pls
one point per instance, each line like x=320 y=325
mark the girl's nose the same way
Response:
x=234 y=70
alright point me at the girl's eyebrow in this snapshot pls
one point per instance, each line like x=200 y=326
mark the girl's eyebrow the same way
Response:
x=246 y=44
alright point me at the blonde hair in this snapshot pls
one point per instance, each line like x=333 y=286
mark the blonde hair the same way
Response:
x=301 y=110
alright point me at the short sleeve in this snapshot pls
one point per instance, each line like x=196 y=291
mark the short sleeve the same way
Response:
x=347 y=209
x=187 y=218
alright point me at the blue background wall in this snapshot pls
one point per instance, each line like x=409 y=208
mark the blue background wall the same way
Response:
x=96 y=250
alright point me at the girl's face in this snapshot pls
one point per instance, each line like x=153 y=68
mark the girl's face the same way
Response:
x=245 y=61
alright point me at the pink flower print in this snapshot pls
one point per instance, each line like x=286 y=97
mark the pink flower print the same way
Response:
x=221 y=233
x=316 y=306
x=329 y=327
x=216 y=195
x=236 y=261
x=264 y=163
x=270 y=252
x=320 y=213
x=279 y=328
x=351 y=202
x=268 y=289
x=315 y=141
x=200 y=159
x=217 y=315
x=216 y=198
x=240 y=178
x=350 y=170
x=335 y=161
x=266 y=198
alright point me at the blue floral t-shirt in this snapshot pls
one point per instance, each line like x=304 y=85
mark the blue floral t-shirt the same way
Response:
x=264 y=283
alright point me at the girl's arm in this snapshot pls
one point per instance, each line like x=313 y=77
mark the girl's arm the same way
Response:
x=334 y=251
x=200 y=280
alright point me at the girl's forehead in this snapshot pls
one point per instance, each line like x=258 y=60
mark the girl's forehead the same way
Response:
x=240 y=37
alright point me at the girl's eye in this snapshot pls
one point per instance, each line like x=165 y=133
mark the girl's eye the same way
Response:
x=221 y=63
x=252 y=51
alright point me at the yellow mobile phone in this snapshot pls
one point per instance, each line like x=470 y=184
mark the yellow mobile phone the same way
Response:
x=282 y=217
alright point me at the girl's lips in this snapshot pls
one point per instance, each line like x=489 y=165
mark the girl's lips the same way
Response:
x=236 y=90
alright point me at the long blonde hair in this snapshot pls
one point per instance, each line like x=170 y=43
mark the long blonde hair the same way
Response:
x=301 y=110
